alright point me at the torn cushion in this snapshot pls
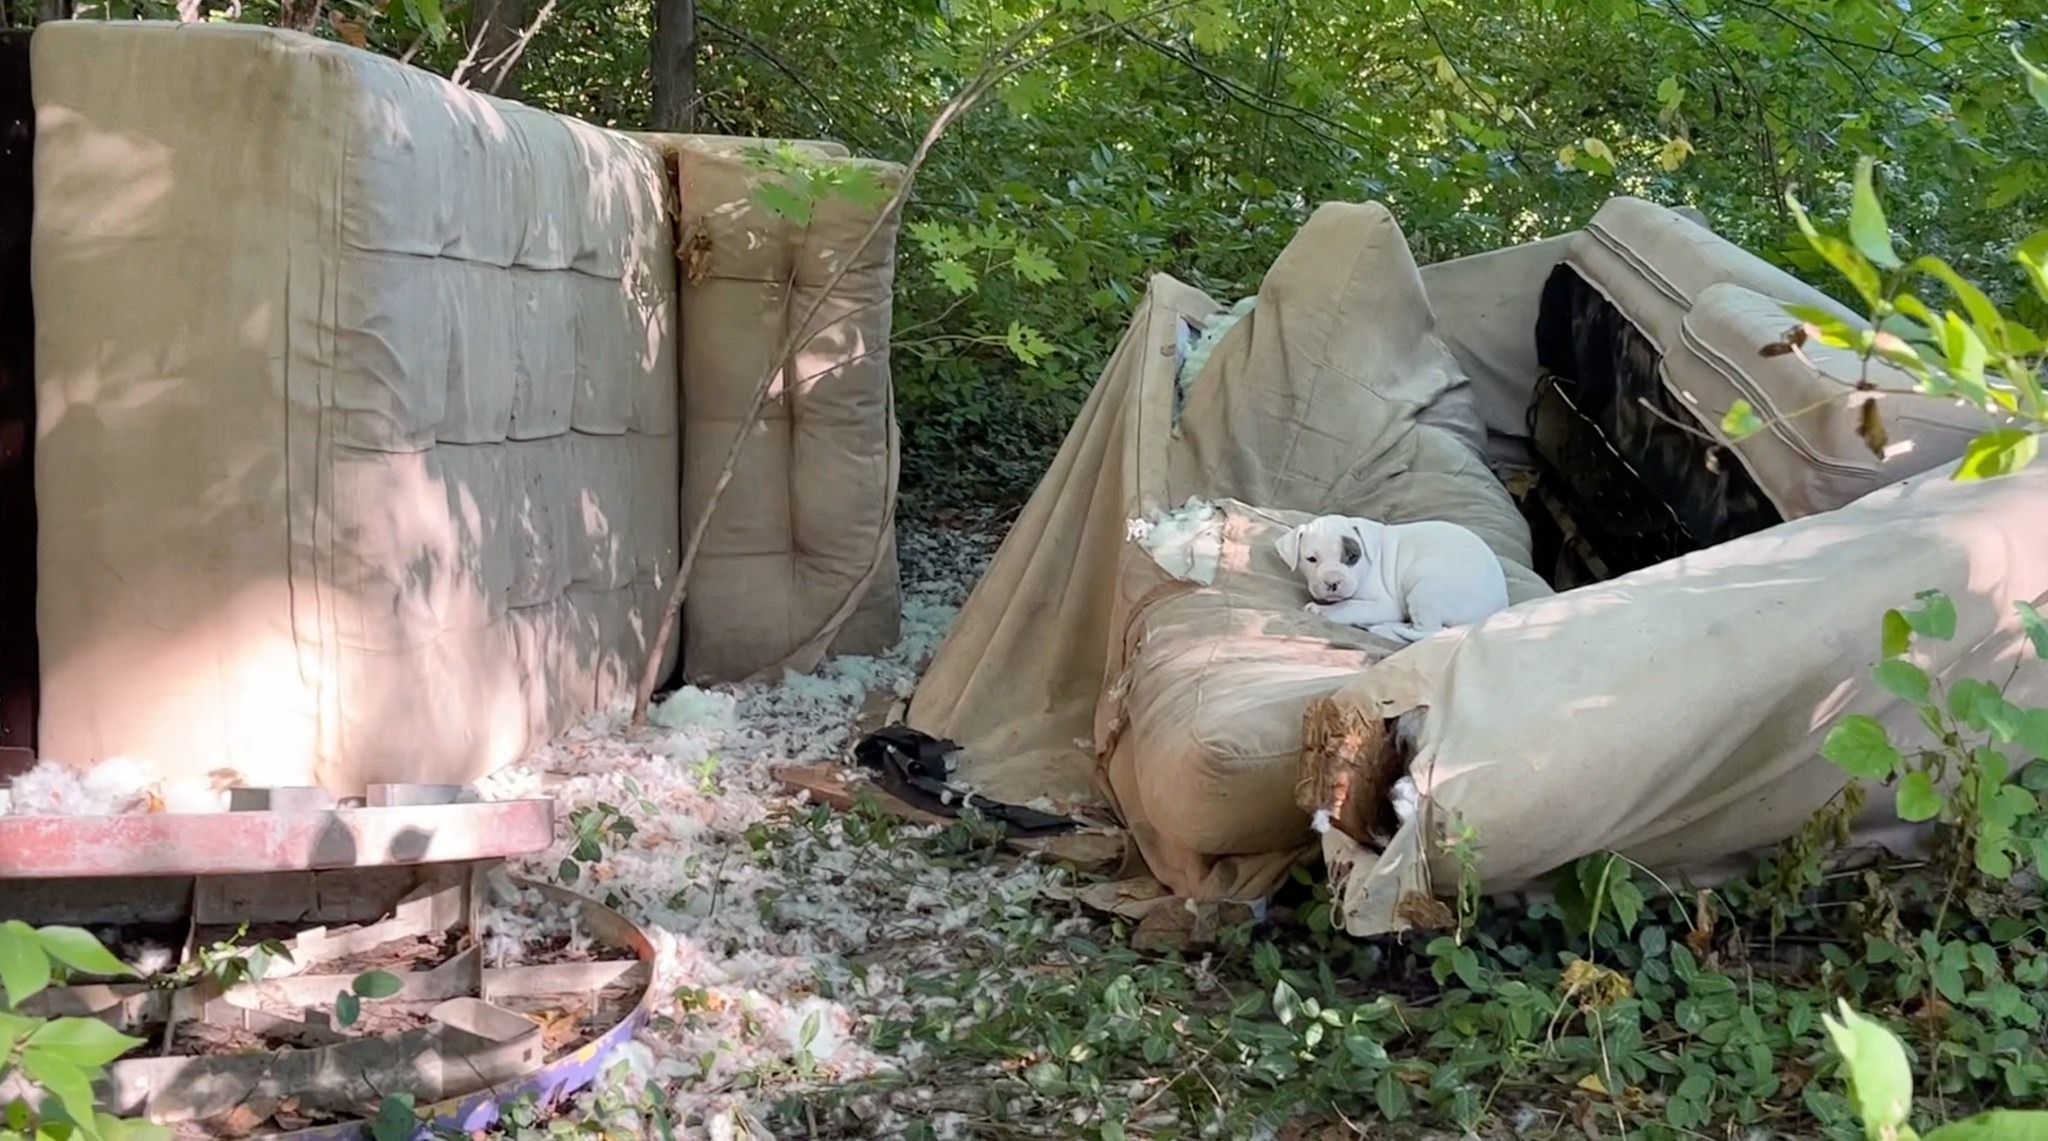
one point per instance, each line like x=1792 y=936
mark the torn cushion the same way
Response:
x=1333 y=395
x=1218 y=680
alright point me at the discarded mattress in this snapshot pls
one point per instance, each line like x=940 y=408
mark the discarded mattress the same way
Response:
x=799 y=556
x=1160 y=671
x=357 y=452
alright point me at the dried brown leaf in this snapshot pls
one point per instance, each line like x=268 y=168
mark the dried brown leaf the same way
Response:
x=696 y=257
x=1701 y=937
x=1423 y=912
x=351 y=33
x=1870 y=426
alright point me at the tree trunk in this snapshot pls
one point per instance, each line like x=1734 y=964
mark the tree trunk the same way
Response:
x=672 y=58
x=299 y=15
x=500 y=23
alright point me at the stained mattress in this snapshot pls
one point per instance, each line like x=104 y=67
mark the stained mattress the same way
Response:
x=357 y=410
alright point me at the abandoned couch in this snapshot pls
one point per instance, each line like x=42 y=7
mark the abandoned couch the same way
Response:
x=1683 y=631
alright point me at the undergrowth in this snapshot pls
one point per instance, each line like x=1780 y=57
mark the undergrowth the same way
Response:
x=1623 y=1006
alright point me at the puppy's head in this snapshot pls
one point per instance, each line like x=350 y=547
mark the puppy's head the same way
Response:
x=1329 y=554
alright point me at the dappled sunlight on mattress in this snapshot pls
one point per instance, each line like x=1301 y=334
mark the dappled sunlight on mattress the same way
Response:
x=387 y=487
x=129 y=175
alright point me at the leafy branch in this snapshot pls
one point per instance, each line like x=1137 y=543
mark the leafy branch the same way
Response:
x=1979 y=355
x=61 y=1057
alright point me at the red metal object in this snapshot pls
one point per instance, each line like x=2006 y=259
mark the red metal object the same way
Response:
x=243 y=843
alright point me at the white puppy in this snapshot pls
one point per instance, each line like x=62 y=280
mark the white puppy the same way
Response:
x=1400 y=581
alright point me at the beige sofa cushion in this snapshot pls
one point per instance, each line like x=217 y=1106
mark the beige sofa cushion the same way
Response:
x=1219 y=682
x=1709 y=307
x=1334 y=395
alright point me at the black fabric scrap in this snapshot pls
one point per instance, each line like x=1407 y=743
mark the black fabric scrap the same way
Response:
x=912 y=766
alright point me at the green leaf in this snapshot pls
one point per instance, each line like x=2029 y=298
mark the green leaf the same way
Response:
x=1625 y=897
x=2032 y=253
x=1880 y=1078
x=347 y=1009
x=24 y=965
x=1033 y=265
x=2000 y=451
x=1964 y=353
x=940 y=241
x=86 y=1043
x=2015 y=803
x=1390 y=1094
x=1286 y=1003
x=785 y=202
x=2031 y=733
x=2036 y=627
x=376 y=984
x=1866 y=219
x=1902 y=679
x=863 y=186
x=1832 y=331
x=1994 y=1125
x=1898 y=634
x=431 y=16
x=1741 y=422
x=1917 y=799
x=131 y=1129
x=1669 y=93
x=1841 y=255
x=70 y=1084
x=1859 y=744
x=1025 y=344
x=14 y=1029
x=1935 y=617
x=1465 y=965
x=2037 y=79
x=955 y=275
x=1990 y=323
x=76 y=948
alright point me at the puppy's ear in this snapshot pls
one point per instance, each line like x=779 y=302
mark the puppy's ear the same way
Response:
x=1289 y=545
x=1353 y=549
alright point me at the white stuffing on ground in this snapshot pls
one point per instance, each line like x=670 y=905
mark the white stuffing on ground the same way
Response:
x=116 y=786
x=782 y=953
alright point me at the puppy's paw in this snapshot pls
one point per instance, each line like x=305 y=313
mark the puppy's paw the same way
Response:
x=1407 y=801
x=1319 y=609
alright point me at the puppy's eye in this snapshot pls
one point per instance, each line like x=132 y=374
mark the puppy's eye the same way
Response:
x=1310 y=560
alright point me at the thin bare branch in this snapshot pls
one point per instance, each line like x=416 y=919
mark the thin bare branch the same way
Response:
x=506 y=60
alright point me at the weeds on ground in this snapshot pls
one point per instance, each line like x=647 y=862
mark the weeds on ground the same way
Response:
x=1624 y=1005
